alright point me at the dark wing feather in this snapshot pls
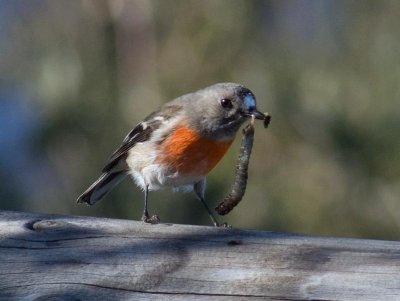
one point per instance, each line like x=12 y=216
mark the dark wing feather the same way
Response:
x=142 y=132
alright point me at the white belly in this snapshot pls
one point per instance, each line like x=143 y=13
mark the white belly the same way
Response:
x=146 y=172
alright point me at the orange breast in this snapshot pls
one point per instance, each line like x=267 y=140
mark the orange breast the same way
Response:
x=188 y=153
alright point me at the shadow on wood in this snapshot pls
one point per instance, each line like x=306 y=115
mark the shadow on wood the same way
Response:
x=53 y=257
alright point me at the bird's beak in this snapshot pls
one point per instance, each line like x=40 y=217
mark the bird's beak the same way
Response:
x=258 y=115
x=255 y=114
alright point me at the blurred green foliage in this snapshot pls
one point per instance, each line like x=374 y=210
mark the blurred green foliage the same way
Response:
x=327 y=71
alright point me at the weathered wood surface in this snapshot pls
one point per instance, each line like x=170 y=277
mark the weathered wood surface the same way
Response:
x=52 y=257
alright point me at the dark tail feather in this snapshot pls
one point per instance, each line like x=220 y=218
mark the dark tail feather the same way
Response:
x=104 y=184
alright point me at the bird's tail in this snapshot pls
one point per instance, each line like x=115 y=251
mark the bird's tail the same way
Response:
x=101 y=187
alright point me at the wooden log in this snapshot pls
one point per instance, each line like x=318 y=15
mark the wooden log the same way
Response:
x=54 y=257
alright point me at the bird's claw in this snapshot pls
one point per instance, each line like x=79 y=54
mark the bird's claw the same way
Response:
x=154 y=219
x=224 y=225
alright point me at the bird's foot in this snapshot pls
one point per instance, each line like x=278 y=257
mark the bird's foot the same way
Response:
x=154 y=219
x=223 y=225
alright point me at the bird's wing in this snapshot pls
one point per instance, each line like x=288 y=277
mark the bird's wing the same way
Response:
x=141 y=133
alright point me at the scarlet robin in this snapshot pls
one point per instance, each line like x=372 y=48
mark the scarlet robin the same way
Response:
x=178 y=145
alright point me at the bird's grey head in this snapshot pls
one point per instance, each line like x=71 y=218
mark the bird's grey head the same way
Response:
x=219 y=110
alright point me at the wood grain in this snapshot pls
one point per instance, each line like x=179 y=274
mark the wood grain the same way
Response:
x=53 y=257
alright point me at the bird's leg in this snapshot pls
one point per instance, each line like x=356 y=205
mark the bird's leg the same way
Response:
x=145 y=215
x=199 y=189
x=154 y=219
x=210 y=214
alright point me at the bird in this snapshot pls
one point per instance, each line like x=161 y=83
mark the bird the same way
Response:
x=179 y=144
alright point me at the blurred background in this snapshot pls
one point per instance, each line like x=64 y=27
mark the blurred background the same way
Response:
x=76 y=76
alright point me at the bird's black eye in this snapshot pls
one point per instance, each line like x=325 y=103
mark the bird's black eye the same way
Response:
x=226 y=103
